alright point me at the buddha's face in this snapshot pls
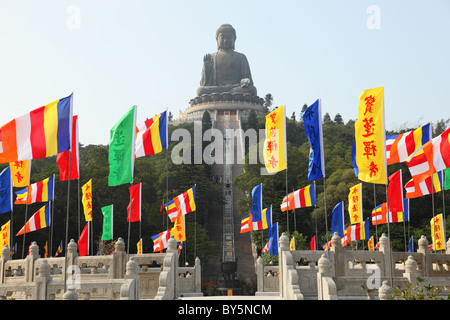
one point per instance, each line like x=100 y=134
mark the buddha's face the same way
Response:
x=225 y=40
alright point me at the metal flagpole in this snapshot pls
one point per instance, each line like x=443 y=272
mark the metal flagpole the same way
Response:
x=325 y=209
x=67 y=221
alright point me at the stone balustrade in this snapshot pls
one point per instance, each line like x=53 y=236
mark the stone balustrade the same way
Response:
x=116 y=276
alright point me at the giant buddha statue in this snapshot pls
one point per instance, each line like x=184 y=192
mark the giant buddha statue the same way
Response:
x=226 y=71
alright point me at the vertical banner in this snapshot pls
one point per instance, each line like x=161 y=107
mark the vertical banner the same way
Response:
x=438 y=232
x=370 y=144
x=4 y=236
x=312 y=119
x=6 y=191
x=355 y=203
x=275 y=154
x=337 y=220
x=20 y=173
x=108 y=212
x=87 y=200
x=179 y=229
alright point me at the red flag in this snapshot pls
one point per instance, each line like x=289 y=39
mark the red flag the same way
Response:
x=83 y=243
x=312 y=243
x=161 y=210
x=395 y=192
x=62 y=159
x=135 y=203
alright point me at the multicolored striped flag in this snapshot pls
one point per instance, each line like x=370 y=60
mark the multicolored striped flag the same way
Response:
x=39 y=220
x=432 y=157
x=136 y=195
x=304 y=197
x=44 y=132
x=151 y=136
x=265 y=222
x=59 y=249
x=62 y=159
x=379 y=215
x=160 y=241
x=358 y=231
x=355 y=203
x=370 y=155
x=275 y=153
x=312 y=119
x=20 y=172
x=41 y=191
x=400 y=146
x=246 y=224
x=430 y=185
x=181 y=205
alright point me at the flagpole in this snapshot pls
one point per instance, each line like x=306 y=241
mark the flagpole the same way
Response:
x=325 y=207
x=129 y=216
x=79 y=216
x=287 y=202
x=67 y=220
x=52 y=209
x=389 y=236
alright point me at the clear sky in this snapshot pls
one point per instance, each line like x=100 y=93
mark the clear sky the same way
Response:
x=115 y=54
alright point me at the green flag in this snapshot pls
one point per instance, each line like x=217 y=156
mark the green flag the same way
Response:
x=107 y=222
x=447 y=179
x=121 y=149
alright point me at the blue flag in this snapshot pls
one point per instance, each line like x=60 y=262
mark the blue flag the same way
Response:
x=337 y=221
x=312 y=119
x=405 y=209
x=354 y=164
x=6 y=194
x=273 y=239
x=257 y=203
x=411 y=245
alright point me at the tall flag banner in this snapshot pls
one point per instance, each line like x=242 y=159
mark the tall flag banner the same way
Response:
x=160 y=241
x=304 y=197
x=370 y=245
x=265 y=222
x=121 y=149
x=86 y=199
x=139 y=246
x=6 y=191
x=62 y=159
x=273 y=239
x=59 y=249
x=430 y=185
x=358 y=231
x=46 y=249
x=399 y=147
x=312 y=243
x=411 y=244
x=447 y=179
x=292 y=244
x=370 y=155
x=20 y=173
x=246 y=224
x=395 y=192
x=438 y=232
x=83 y=243
x=275 y=153
x=312 y=119
x=4 y=235
x=41 y=191
x=41 y=133
x=179 y=229
x=151 y=135
x=432 y=157
x=182 y=204
x=379 y=214
x=257 y=205
x=337 y=220
x=180 y=247
x=136 y=195
x=355 y=203
x=108 y=218
x=39 y=220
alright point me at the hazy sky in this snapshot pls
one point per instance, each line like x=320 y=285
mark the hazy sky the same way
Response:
x=116 y=54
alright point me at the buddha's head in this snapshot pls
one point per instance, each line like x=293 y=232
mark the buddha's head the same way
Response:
x=226 y=37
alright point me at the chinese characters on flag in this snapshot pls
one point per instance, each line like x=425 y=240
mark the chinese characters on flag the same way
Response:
x=370 y=138
x=355 y=204
x=437 y=232
x=87 y=200
x=178 y=231
x=275 y=156
x=4 y=235
x=20 y=173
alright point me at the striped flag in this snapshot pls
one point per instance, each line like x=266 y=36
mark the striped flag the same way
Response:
x=62 y=159
x=160 y=241
x=430 y=185
x=432 y=157
x=266 y=248
x=59 y=249
x=151 y=135
x=379 y=214
x=265 y=222
x=39 y=220
x=399 y=147
x=41 y=191
x=44 y=132
x=358 y=231
x=246 y=224
x=181 y=205
x=304 y=197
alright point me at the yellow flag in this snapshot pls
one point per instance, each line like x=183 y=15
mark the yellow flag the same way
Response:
x=275 y=156
x=20 y=172
x=87 y=200
x=370 y=142
x=139 y=246
x=4 y=236
x=437 y=232
x=355 y=204
x=179 y=229
x=370 y=244
x=292 y=244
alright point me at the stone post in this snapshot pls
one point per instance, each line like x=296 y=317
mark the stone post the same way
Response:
x=260 y=274
x=5 y=257
x=70 y=294
x=385 y=248
x=411 y=272
x=132 y=273
x=326 y=288
x=29 y=262
x=42 y=280
x=198 y=276
x=339 y=257
x=385 y=290
x=172 y=248
x=283 y=245
x=118 y=266
x=423 y=249
x=447 y=250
